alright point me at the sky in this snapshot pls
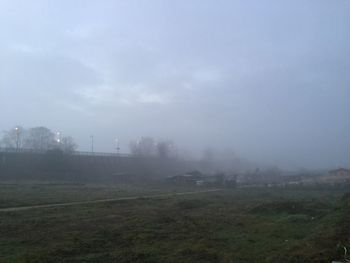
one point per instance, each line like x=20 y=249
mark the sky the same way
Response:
x=268 y=79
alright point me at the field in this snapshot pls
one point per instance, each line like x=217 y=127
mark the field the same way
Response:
x=238 y=225
x=28 y=194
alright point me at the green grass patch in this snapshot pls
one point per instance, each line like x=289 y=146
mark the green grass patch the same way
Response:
x=259 y=225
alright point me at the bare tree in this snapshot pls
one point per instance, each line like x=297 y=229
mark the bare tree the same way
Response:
x=13 y=138
x=143 y=147
x=166 y=149
x=67 y=144
x=40 y=139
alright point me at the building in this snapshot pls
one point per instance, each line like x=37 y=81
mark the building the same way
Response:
x=337 y=176
x=196 y=178
x=341 y=173
x=190 y=178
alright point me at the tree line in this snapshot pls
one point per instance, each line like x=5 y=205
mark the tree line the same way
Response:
x=149 y=147
x=36 y=139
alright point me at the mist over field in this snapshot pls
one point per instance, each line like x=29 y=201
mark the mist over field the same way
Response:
x=265 y=80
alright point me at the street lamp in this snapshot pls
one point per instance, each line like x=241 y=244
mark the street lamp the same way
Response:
x=17 y=138
x=117 y=145
x=92 y=143
x=58 y=137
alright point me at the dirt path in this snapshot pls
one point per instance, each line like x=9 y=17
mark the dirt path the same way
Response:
x=20 y=208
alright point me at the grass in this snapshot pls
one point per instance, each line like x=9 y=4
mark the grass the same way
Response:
x=27 y=194
x=255 y=225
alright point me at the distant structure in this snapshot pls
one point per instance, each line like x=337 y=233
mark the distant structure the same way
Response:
x=196 y=178
x=189 y=178
x=336 y=177
x=341 y=173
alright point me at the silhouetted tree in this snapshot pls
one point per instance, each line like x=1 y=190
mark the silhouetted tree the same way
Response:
x=40 y=139
x=13 y=139
x=143 y=147
x=67 y=145
x=165 y=149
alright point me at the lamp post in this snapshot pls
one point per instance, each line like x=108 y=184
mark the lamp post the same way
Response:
x=92 y=143
x=58 y=137
x=17 y=138
x=117 y=145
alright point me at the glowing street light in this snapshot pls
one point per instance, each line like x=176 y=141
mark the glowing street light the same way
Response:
x=58 y=137
x=17 y=130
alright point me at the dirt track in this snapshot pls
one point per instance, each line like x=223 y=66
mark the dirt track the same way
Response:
x=20 y=208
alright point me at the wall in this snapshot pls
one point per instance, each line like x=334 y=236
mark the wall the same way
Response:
x=84 y=168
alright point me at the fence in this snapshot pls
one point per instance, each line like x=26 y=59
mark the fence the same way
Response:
x=84 y=153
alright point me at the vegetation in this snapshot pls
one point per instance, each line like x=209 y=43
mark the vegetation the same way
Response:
x=148 y=147
x=34 y=193
x=259 y=225
x=37 y=139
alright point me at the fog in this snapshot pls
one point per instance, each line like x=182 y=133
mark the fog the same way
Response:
x=268 y=80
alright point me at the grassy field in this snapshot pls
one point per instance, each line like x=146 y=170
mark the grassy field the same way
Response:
x=242 y=225
x=33 y=193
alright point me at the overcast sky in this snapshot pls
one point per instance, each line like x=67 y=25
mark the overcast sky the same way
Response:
x=268 y=79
